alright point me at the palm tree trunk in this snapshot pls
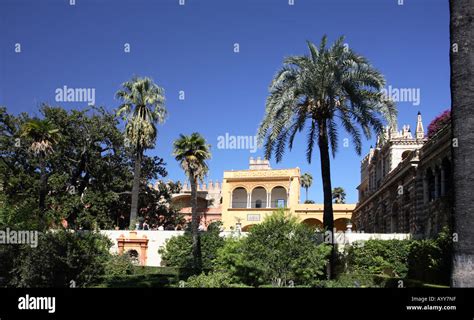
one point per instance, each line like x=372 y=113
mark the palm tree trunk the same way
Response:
x=136 y=188
x=197 y=259
x=328 y=216
x=43 y=186
x=306 y=193
x=462 y=117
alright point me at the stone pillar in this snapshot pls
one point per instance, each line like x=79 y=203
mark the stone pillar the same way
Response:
x=443 y=182
x=121 y=244
x=143 y=251
x=269 y=199
x=249 y=200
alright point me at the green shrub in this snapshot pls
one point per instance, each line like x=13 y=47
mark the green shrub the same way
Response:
x=119 y=265
x=430 y=260
x=389 y=257
x=211 y=280
x=59 y=258
x=230 y=259
x=352 y=280
x=427 y=261
x=177 y=251
x=23 y=215
x=278 y=251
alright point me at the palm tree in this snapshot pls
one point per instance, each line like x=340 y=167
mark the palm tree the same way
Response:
x=328 y=86
x=142 y=108
x=462 y=117
x=192 y=152
x=306 y=182
x=339 y=195
x=44 y=136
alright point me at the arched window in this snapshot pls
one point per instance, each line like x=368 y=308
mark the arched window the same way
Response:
x=259 y=197
x=239 y=198
x=279 y=198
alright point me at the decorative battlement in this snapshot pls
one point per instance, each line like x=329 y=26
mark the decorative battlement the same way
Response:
x=259 y=164
x=209 y=186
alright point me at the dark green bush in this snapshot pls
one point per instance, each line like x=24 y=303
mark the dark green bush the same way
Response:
x=278 y=251
x=59 y=258
x=430 y=260
x=119 y=265
x=177 y=251
x=389 y=257
x=211 y=280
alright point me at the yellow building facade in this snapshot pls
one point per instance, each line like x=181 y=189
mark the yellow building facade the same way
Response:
x=248 y=196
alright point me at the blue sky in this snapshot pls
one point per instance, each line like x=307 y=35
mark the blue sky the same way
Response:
x=191 y=48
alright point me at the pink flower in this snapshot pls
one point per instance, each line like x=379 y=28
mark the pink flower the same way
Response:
x=439 y=122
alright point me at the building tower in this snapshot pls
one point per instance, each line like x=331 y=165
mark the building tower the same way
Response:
x=420 y=132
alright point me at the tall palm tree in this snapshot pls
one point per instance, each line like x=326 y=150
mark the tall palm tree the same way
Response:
x=192 y=152
x=339 y=195
x=462 y=117
x=43 y=136
x=328 y=86
x=306 y=182
x=143 y=107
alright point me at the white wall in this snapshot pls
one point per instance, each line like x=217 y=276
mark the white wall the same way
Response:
x=156 y=239
x=347 y=238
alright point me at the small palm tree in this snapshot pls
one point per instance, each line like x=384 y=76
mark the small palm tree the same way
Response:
x=330 y=86
x=43 y=136
x=306 y=182
x=339 y=195
x=143 y=107
x=192 y=152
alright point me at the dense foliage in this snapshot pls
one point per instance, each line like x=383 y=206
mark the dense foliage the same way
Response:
x=427 y=260
x=177 y=251
x=379 y=257
x=71 y=169
x=61 y=259
x=87 y=171
x=280 y=251
x=118 y=265
x=211 y=280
